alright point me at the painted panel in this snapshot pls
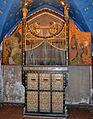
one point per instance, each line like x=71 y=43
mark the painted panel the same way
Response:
x=79 y=46
x=12 y=47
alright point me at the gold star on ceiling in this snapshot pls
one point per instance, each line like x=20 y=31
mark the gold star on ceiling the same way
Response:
x=21 y=2
x=34 y=6
x=1 y=12
x=73 y=17
x=90 y=20
x=40 y=3
x=77 y=11
x=16 y=19
x=71 y=12
x=86 y=9
x=14 y=6
x=4 y=2
x=50 y=3
x=17 y=13
x=11 y=15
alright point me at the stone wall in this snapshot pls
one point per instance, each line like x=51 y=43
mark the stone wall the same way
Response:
x=13 y=88
x=1 y=84
x=78 y=90
x=79 y=85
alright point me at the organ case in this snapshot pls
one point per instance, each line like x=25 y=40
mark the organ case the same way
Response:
x=45 y=61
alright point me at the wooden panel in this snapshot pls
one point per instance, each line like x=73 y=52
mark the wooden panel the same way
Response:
x=57 y=102
x=32 y=101
x=12 y=47
x=57 y=81
x=44 y=81
x=79 y=46
x=32 y=81
x=44 y=101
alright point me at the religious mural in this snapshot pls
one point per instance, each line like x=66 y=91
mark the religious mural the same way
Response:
x=79 y=46
x=12 y=47
x=79 y=42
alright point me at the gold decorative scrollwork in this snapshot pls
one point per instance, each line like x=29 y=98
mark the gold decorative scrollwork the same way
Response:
x=35 y=28
x=58 y=42
x=52 y=29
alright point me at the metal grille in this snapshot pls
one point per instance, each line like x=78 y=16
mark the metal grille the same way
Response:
x=45 y=54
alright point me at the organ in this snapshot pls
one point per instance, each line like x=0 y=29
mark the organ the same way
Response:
x=47 y=43
x=45 y=62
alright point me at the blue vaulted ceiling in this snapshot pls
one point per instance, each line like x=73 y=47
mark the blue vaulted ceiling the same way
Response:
x=81 y=11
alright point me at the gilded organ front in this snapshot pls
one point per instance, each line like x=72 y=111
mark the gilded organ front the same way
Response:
x=45 y=41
